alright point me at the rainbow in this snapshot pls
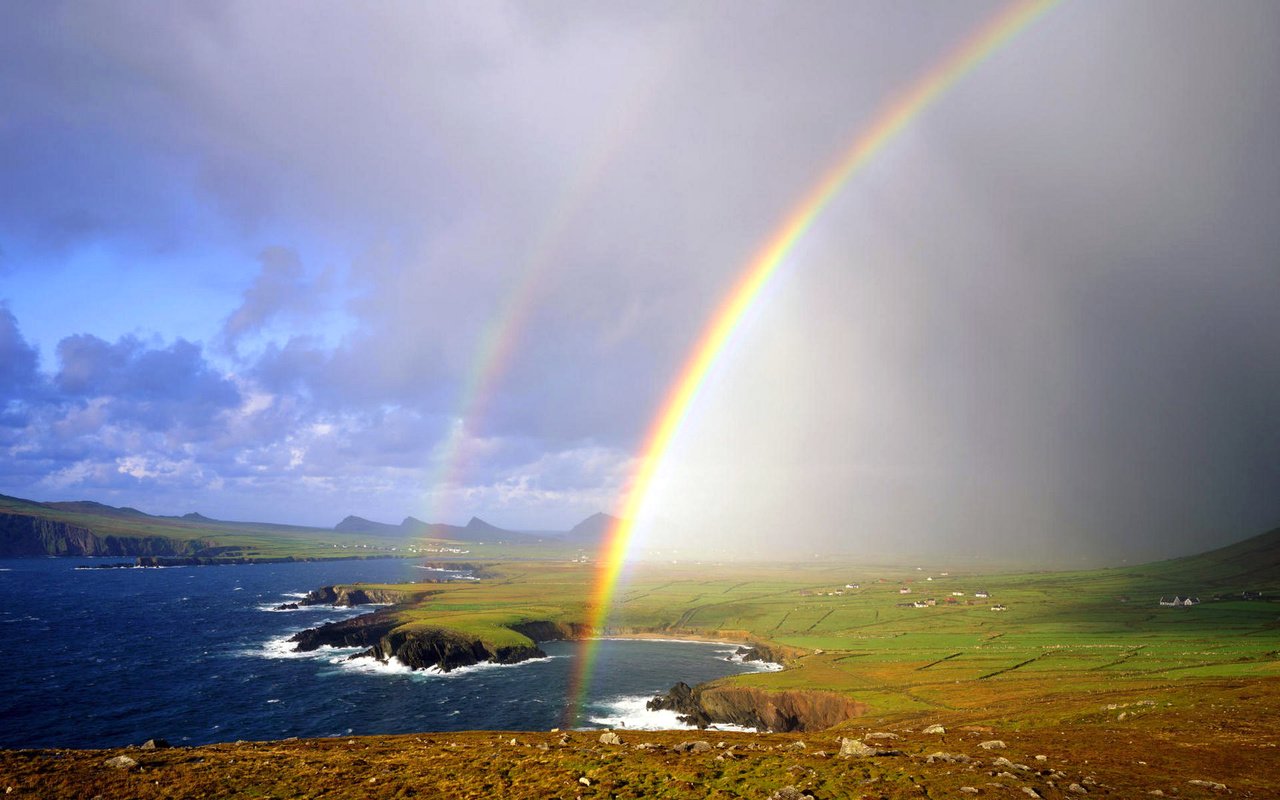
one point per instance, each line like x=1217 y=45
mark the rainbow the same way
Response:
x=499 y=340
x=887 y=124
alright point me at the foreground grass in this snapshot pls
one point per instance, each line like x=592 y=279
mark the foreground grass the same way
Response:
x=1223 y=733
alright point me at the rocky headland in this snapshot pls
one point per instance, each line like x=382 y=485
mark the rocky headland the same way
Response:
x=752 y=707
x=386 y=635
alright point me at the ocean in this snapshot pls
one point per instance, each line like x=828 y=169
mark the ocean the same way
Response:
x=111 y=657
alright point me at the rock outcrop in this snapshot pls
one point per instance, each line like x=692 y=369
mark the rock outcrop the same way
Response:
x=751 y=707
x=422 y=648
x=347 y=596
x=385 y=636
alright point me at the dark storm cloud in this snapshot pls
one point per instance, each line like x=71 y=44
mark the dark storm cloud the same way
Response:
x=1038 y=321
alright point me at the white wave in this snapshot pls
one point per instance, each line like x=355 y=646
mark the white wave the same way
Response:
x=756 y=666
x=630 y=713
x=298 y=595
x=394 y=666
x=483 y=666
x=238 y=589
x=283 y=647
x=346 y=611
x=372 y=666
x=274 y=607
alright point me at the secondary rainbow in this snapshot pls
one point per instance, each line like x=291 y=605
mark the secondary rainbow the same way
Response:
x=977 y=47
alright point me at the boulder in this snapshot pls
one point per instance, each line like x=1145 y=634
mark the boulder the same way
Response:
x=155 y=744
x=853 y=747
x=950 y=758
x=1214 y=785
x=692 y=747
x=935 y=729
x=790 y=793
x=992 y=744
x=609 y=737
x=121 y=762
x=1004 y=762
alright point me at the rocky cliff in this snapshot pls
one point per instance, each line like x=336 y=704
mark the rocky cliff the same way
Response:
x=27 y=535
x=751 y=707
x=358 y=596
x=385 y=636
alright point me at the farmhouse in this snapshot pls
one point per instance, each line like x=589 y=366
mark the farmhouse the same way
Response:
x=982 y=593
x=1247 y=595
x=905 y=590
x=1180 y=601
x=999 y=607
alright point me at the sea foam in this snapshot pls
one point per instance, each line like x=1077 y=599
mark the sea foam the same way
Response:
x=631 y=713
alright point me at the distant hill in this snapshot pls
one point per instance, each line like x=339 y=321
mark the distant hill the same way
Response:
x=593 y=528
x=90 y=507
x=476 y=530
x=354 y=524
x=588 y=531
x=1251 y=564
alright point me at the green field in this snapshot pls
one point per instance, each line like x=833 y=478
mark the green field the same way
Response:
x=1061 y=635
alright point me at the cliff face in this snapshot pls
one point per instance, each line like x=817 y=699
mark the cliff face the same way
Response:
x=25 y=535
x=362 y=631
x=748 y=706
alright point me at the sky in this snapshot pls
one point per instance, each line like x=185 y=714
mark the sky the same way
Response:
x=288 y=262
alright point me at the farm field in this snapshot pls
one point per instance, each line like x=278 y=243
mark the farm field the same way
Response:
x=1059 y=634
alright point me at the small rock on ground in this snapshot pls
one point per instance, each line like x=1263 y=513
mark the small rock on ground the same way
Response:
x=790 y=793
x=992 y=744
x=853 y=747
x=935 y=729
x=121 y=762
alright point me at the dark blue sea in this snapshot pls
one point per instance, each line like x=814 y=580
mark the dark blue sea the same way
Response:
x=110 y=657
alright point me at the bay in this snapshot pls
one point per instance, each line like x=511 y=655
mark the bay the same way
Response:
x=111 y=657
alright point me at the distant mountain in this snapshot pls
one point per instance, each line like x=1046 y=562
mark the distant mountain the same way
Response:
x=354 y=524
x=593 y=528
x=476 y=530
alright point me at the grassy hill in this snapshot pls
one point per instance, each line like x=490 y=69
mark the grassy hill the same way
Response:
x=87 y=528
